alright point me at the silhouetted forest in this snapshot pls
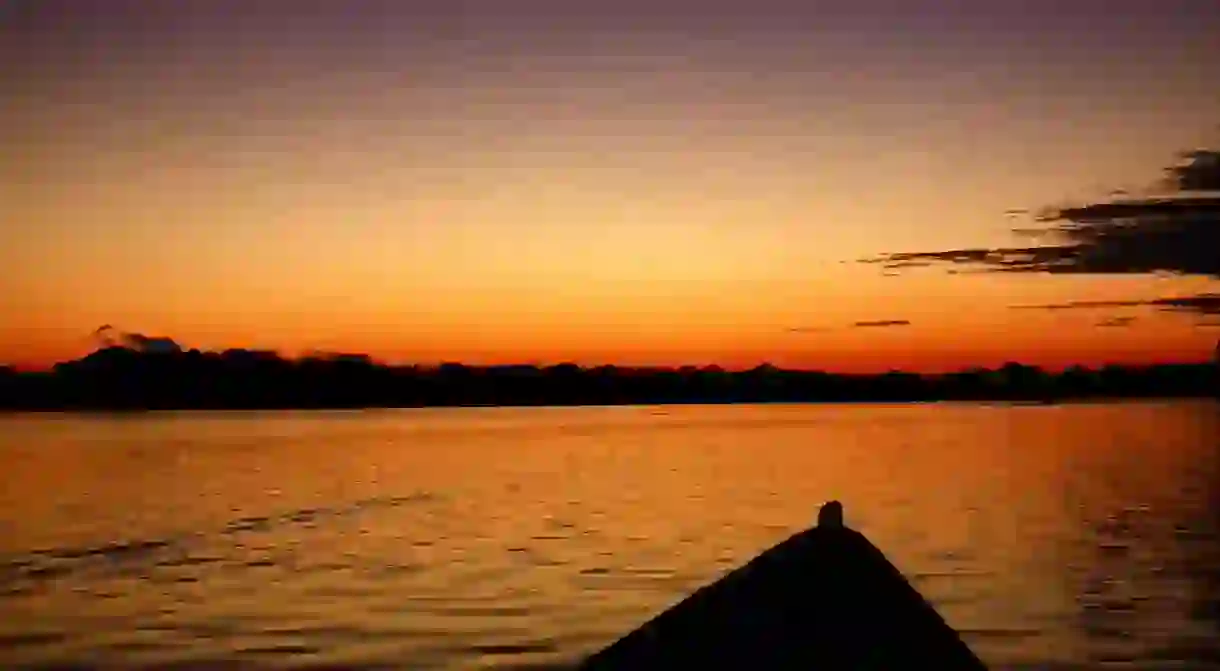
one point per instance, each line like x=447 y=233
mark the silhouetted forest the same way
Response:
x=159 y=375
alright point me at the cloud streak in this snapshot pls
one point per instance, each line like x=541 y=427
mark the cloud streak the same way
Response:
x=882 y=323
x=1176 y=234
x=1116 y=322
x=870 y=323
x=1206 y=303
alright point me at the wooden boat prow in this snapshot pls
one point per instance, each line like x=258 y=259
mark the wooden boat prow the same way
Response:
x=826 y=598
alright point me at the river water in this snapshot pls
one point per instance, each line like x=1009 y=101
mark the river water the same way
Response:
x=1078 y=536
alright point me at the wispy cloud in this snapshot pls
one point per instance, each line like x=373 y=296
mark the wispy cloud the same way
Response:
x=1116 y=322
x=804 y=330
x=1177 y=234
x=1206 y=303
x=882 y=323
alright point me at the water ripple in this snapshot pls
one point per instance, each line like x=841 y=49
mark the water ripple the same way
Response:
x=22 y=573
x=1068 y=540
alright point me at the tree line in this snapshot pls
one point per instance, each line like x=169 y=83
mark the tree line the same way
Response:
x=122 y=377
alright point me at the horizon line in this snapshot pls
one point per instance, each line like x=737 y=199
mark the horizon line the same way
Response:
x=430 y=365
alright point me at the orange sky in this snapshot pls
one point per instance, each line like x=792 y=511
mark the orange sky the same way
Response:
x=627 y=188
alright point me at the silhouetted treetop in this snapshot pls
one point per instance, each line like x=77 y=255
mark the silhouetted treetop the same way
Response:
x=120 y=377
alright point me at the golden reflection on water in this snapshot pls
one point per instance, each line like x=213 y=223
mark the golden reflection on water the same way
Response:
x=459 y=538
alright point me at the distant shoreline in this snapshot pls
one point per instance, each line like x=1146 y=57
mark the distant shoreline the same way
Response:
x=125 y=379
x=132 y=411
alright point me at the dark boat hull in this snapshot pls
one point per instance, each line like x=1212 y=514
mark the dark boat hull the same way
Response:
x=825 y=598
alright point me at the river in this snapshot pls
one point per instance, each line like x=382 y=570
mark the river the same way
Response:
x=1056 y=537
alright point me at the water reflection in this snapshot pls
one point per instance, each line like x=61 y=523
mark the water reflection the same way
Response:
x=1060 y=537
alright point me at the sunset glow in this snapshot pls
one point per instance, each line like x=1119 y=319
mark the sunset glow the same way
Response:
x=544 y=184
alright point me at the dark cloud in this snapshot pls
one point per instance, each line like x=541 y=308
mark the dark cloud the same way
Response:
x=1117 y=322
x=898 y=265
x=146 y=343
x=809 y=329
x=1174 y=234
x=882 y=323
x=1198 y=171
x=1206 y=303
x=109 y=336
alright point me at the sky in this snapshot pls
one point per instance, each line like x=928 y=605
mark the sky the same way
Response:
x=636 y=183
